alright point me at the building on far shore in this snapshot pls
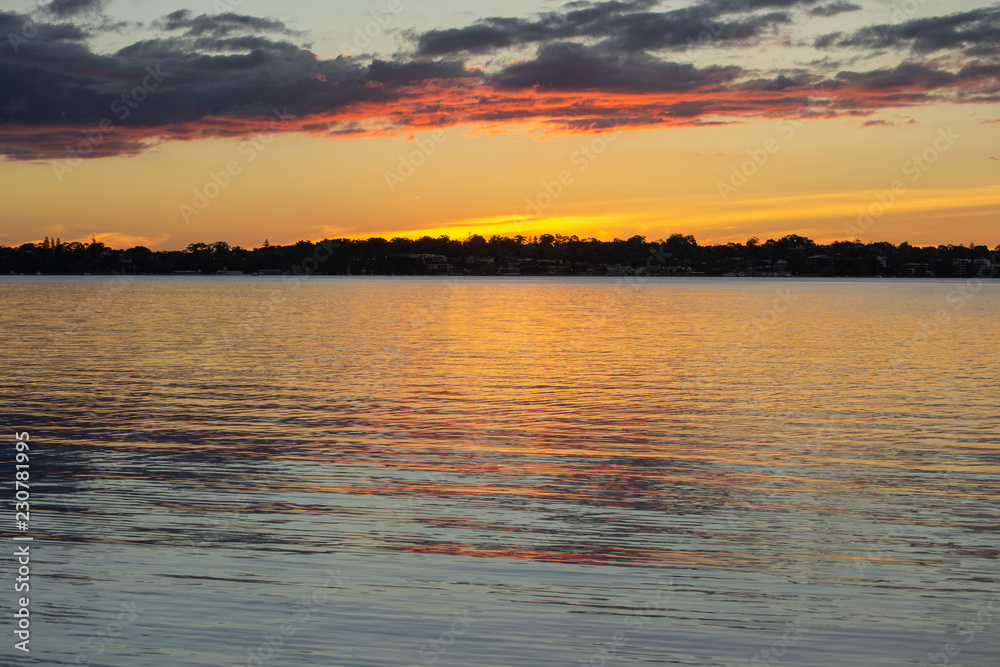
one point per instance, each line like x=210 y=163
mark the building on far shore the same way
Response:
x=982 y=267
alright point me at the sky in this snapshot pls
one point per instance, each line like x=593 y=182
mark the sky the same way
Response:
x=164 y=123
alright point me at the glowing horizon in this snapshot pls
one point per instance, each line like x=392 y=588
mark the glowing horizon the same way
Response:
x=720 y=120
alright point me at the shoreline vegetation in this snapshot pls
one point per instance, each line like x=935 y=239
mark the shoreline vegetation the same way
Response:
x=542 y=255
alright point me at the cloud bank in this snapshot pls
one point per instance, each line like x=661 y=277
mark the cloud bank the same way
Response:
x=586 y=67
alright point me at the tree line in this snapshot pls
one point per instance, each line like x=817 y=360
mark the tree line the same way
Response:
x=545 y=254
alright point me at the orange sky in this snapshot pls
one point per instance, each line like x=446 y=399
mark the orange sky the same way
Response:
x=725 y=148
x=653 y=182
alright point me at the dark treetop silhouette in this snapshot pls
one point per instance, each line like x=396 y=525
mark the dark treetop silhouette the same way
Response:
x=546 y=254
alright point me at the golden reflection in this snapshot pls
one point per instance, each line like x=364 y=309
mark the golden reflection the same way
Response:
x=433 y=416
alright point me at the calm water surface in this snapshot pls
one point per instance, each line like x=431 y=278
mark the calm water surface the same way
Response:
x=521 y=472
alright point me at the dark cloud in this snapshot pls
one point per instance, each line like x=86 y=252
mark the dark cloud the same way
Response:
x=976 y=28
x=481 y=38
x=914 y=82
x=243 y=43
x=834 y=8
x=169 y=88
x=594 y=65
x=625 y=25
x=18 y=29
x=570 y=66
x=65 y=8
x=219 y=25
x=694 y=109
x=913 y=76
x=685 y=29
x=828 y=40
x=744 y=6
x=778 y=83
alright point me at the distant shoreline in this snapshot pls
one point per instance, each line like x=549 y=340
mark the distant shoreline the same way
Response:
x=549 y=255
x=288 y=277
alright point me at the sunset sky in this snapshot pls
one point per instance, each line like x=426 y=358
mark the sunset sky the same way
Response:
x=167 y=122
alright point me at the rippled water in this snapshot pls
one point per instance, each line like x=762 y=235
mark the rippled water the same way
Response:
x=506 y=472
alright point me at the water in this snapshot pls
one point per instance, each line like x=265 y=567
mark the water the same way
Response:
x=370 y=472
